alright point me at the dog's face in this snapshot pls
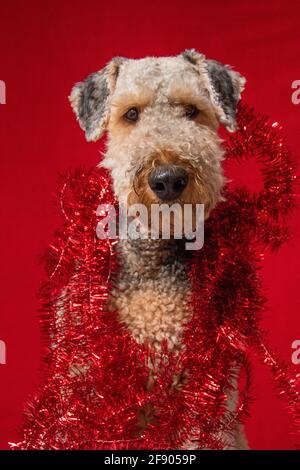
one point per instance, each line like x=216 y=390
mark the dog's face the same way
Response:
x=162 y=116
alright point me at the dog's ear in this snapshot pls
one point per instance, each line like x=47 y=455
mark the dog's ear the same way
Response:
x=224 y=86
x=90 y=99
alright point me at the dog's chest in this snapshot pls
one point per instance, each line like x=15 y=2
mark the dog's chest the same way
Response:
x=152 y=298
x=152 y=291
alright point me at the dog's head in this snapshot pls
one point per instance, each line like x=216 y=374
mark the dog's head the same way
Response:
x=162 y=116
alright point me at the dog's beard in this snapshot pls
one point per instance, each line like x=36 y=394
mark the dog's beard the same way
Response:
x=176 y=216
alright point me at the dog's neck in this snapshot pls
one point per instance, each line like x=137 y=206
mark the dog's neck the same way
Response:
x=152 y=290
x=146 y=258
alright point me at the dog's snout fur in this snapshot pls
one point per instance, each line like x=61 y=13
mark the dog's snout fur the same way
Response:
x=168 y=181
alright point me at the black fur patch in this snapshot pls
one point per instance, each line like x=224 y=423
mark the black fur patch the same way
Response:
x=222 y=83
x=93 y=99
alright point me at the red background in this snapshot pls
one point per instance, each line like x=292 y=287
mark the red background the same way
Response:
x=44 y=48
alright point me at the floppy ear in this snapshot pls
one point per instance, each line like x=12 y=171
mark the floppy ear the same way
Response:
x=223 y=84
x=90 y=99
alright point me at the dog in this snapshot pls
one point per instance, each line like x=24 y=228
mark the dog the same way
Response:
x=161 y=116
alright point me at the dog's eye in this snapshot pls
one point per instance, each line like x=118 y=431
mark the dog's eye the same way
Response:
x=131 y=115
x=191 y=111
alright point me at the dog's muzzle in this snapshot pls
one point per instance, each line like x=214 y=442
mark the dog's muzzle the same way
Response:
x=168 y=181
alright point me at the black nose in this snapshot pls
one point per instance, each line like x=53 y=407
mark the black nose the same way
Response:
x=168 y=181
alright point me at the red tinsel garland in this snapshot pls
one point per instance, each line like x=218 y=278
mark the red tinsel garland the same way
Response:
x=95 y=373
